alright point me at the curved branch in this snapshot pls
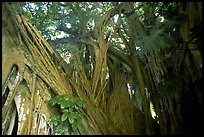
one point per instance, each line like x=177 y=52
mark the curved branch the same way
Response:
x=122 y=57
x=111 y=50
x=66 y=40
x=98 y=28
x=68 y=30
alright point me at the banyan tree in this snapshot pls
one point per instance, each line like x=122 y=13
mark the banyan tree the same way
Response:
x=136 y=68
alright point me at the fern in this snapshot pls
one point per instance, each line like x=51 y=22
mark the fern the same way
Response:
x=158 y=37
x=169 y=89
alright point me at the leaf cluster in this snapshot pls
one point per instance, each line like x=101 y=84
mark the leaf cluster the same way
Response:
x=157 y=37
x=69 y=120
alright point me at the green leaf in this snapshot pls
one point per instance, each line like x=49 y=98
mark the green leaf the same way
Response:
x=64 y=128
x=58 y=129
x=70 y=109
x=80 y=103
x=78 y=119
x=66 y=97
x=65 y=110
x=55 y=120
x=64 y=116
x=71 y=120
x=76 y=107
x=63 y=104
x=68 y=103
x=72 y=116
x=55 y=123
x=74 y=126
x=52 y=101
x=80 y=127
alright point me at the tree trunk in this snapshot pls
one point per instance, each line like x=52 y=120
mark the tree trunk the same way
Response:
x=33 y=72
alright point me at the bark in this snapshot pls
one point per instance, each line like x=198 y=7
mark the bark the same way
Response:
x=123 y=115
x=38 y=74
x=33 y=72
x=174 y=115
x=190 y=67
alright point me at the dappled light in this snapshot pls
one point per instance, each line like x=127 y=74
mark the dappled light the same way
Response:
x=101 y=68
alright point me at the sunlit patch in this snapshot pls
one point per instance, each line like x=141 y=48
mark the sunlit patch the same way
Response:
x=138 y=48
x=152 y=111
x=107 y=76
x=62 y=2
x=38 y=92
x=90 y=6
x=122 y=46
x=68 y=25
x=61 y=35
x=33 y=5
x=116 y=18
x=162 y=19
x=131 y=92
x=50 y=27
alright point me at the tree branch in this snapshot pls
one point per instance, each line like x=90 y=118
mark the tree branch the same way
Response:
x=68 y=30
x=111 y=50
x=120 y=56
x=68 y=40
x=97 y=30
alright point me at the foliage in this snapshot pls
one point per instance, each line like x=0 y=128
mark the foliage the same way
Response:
x=111 y=43
x=167 y=10
x=47 y=16
x=69 y=120
x=169 y=88
x=157 y=37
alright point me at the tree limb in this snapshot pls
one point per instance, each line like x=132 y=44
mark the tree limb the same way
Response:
x=68 y=30
x=111 y=50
